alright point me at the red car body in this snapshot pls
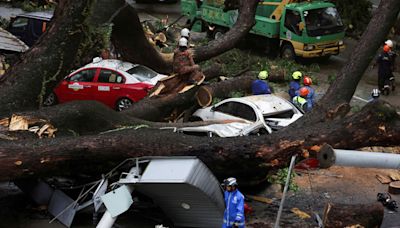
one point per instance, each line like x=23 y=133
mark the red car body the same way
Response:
x=107 y=81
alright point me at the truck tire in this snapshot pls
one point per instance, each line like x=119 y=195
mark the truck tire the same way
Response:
x=218 y=32
x=287 y=52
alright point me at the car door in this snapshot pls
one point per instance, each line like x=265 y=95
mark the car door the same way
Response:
x=79 y=86
x=109 y=87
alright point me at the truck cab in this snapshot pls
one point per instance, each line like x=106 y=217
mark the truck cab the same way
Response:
x=311 y=30
x=29 y=27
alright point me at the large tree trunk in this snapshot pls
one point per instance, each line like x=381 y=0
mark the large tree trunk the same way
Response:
x=48 y=61
x=66 y=44
x=129 y=40
x=160 y=108
x=249 y=158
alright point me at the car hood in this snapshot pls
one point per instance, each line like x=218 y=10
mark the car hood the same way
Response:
x=222 y=130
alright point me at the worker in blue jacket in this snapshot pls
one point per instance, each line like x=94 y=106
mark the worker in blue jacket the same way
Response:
x=260 y=86
x=234 y=202
x=294 y=85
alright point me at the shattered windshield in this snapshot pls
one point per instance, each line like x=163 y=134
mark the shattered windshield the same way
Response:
x=142 y=72
x=323 y=21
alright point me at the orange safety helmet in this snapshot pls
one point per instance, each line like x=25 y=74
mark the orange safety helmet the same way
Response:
x=386 y=48
x=303 y=92
x=307 y=81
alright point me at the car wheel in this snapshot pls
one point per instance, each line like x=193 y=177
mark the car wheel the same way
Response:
x=123 y=104
x=288 y=53
x=218 y=32
x=50 y=100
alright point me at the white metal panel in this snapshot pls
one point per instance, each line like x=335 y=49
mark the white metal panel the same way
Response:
x=10 y=42
x=168 y=171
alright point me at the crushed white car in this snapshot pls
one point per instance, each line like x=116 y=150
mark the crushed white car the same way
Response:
x=258 y=114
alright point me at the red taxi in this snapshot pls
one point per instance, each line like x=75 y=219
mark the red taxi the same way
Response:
x=115 y=83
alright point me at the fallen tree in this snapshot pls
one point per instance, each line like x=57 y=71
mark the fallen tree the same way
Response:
x=248 y=158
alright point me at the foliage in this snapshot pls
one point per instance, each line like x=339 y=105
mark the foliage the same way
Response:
x=280 y=178
x=236 y=94
x=355 y=14
x=355 y=108
x=33 y=5
x=231 y=95
x=235 y=60
x=331 y=78
x=4 y=22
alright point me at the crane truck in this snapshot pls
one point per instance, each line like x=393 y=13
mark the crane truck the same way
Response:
x=292 y=28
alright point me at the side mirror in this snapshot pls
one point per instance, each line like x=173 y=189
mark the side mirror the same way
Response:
x=213 y=108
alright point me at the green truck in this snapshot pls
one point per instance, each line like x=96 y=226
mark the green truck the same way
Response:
x=292 y=28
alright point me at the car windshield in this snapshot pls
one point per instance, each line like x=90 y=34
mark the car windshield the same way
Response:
x=323 y=21
x=237 y=109
x=143 y=72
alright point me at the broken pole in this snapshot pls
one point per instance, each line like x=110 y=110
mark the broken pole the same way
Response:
x=329 y=156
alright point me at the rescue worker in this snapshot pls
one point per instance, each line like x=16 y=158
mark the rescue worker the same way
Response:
x=184 y=66
x=374 y=94
x=260 y=85
x=234 y=202
x=393 y=56
x=300 y=100
x=294 y=85
x=384 y=62
x=307 y=82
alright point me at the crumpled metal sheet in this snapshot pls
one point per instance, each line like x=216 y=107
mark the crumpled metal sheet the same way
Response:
x=10 y=42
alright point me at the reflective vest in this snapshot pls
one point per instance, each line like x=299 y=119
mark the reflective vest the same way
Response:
x=300 y=103
x=234 y=211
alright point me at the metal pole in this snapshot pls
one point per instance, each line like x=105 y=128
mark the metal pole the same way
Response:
x=284 y=191
x=329 y=156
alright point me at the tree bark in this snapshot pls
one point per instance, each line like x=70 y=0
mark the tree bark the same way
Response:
x=341 y=215
x=48 y=61
x=206 y=94
x=129 y=40
x=244 y=23
x=248 y=158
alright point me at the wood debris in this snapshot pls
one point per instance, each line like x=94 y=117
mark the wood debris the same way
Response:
x=383 y=179
x=300 y=213
x=18 y=123
x=37 y=126
x=395 y=175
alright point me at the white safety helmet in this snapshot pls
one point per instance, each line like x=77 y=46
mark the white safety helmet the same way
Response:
x=183 y=42
x=185 y=32
x=375 y=93
x=389 y=43
x=231 y=181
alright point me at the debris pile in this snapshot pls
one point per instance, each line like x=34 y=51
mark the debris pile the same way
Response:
x=40 y=127
x=3 y=65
